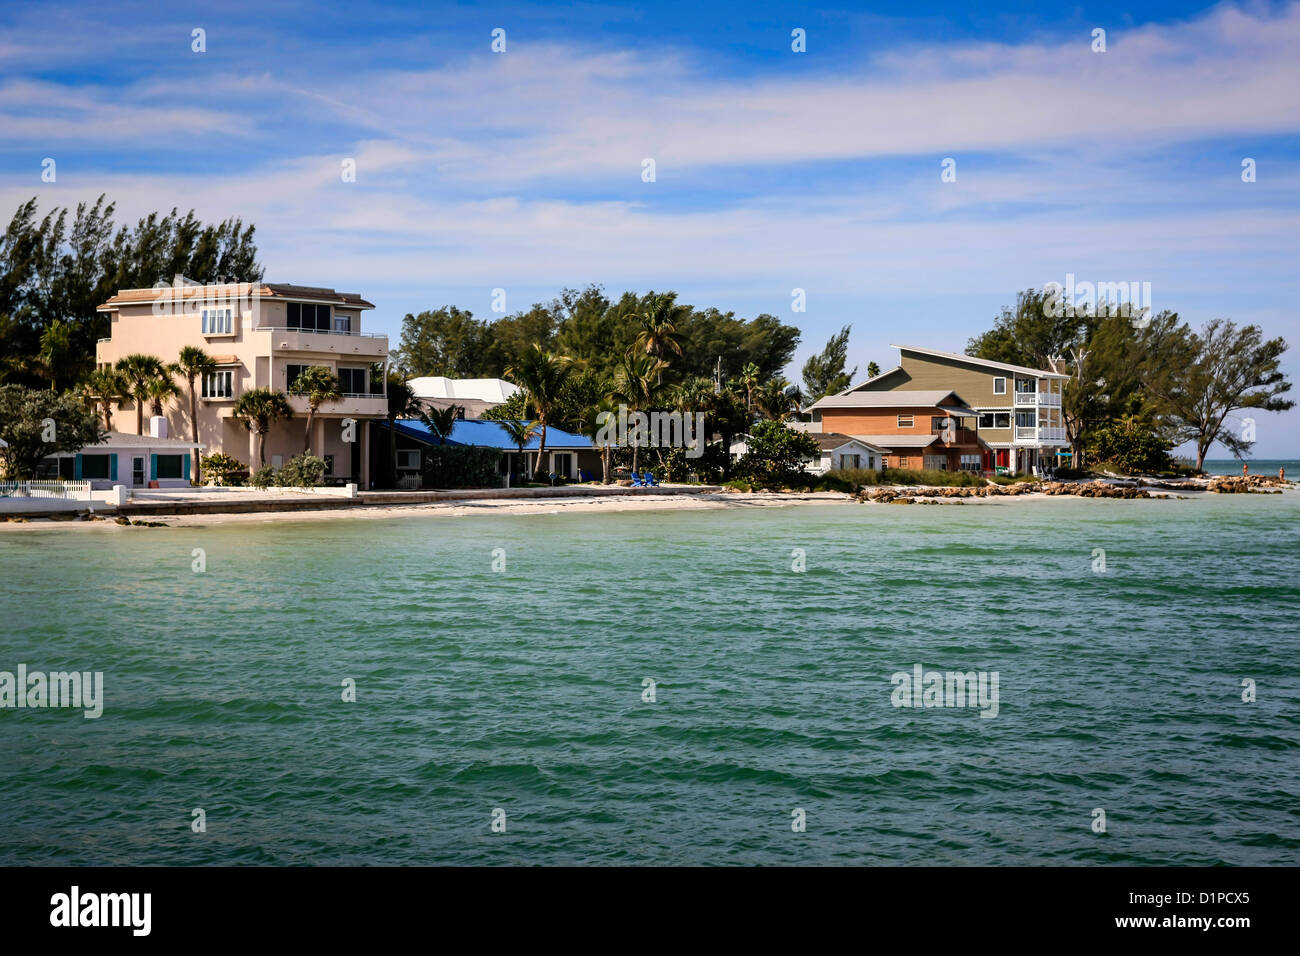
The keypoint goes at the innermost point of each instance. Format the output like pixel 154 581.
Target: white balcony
pixel 1035 399
pixel 329 343
pixel 357 406
pixel 1028 435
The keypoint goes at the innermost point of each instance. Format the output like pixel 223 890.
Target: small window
pixel 343 323
pixel 904 462
pixel 329 464
pixel 905 421
pixel 219 384
pixel 169 466
pixel 217 321
pixel 850 461
pixel 999 386
pixel 94 466
pixel 294 315
pixel 408 460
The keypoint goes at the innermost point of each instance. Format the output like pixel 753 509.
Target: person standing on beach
pixel 1244 468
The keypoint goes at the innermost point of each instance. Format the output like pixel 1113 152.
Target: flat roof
pixel 259 290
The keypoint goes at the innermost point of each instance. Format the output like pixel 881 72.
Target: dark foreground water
pixel 523 689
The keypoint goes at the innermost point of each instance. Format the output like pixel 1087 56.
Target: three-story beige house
pixel 1012 413
pixel 261 335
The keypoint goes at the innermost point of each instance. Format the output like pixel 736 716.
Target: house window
pixel 343 323
pixel 217 321
pixel 408 460
pixel 219 384
pixel 936 462
pixel 352 381
pixel 94 466
pixel 329 464
pixel 169 466
pixel 850 461
pixel 999 386
pixel 1026 420
pixel 312 318
pixel 995 419
pixel 291 373
pixel 971 462
pixel 905 421
pixel 904 462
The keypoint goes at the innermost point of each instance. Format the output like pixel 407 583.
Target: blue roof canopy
pixel 489 434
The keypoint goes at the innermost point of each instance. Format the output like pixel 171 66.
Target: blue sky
pixel 774 170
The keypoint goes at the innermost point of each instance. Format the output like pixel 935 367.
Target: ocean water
pixel 1260 466
pixel 522 689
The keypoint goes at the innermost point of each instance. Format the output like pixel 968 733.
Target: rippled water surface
pixel 522 689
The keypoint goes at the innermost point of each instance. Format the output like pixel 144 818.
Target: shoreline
pixel 574 502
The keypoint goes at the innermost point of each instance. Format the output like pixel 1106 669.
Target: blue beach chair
pixel 649 480
pixel 636 481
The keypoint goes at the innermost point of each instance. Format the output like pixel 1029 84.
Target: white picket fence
pixel 66 490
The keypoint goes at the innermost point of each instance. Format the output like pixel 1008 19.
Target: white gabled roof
pixel 495 390
pixel 903 398
pixel 1001 366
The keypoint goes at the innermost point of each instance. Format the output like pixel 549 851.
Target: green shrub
pixel 708 467
pixel 302 471
pixel 1129 447
pixel 263 478
pixel 461 466
pixel 776 454
pixel 908 476
pixel 221 470
pixel 1012 479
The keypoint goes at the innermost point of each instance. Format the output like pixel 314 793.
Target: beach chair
pixel 636 481
pixel 649 480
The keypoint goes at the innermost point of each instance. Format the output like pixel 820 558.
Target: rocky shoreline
pixel 1097 488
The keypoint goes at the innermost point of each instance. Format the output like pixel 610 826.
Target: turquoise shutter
pixel 185 467
pixel 76 468
pixel 112 468
pixel 153 467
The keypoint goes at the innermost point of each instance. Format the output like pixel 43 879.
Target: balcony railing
pixel 1028 435
pixel 289 328
pixel 1031 399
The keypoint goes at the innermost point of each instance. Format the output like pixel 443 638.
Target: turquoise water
pixel 522 689
pixel 1260 466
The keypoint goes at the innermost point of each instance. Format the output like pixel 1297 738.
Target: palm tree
pixel 56 351
pixel 159 390
pixel 658 333
pixel 194 363
pixel 589 425
pixel 402 403
pixel 872 370
pixel 441 421
pixel 103 387
pixel 259 409
pixel 636 385
pixel 749 381
pixel 542 375
pixel 521 433
pixel 139 370
pixel 319 386
pixel 777 399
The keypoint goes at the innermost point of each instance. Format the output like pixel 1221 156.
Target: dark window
pixel 295 315
pixel 352 381
pixel 329 464
pixel 94 466
pixel 995 419
pixel 169 466
pixel 291 373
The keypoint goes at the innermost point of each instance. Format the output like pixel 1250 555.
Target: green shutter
pixel 112 468
pixel 185 467
pixel 76 468
pixel 153 467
